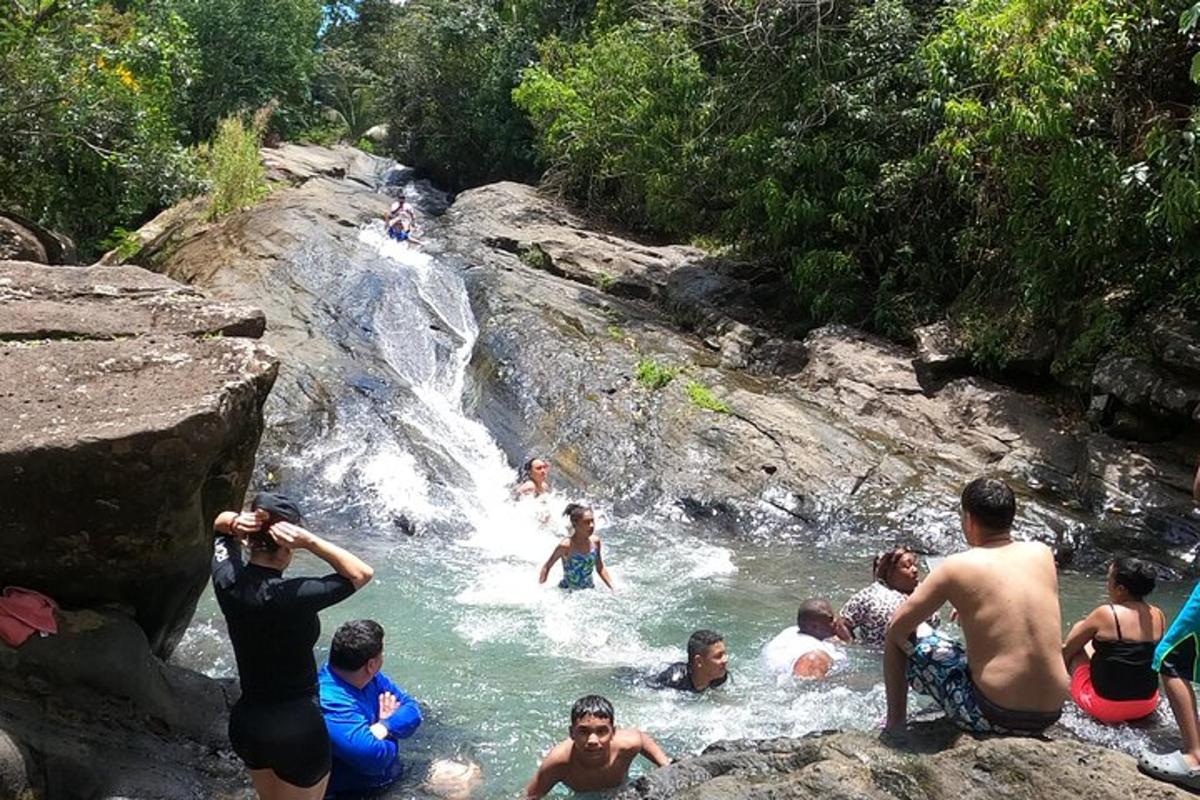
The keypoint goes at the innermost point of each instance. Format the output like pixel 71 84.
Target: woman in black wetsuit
pixel 276 726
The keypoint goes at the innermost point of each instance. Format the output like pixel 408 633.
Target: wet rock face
pixel 932 762
pixel 1154 395
pixel 130 410
pixel 752 418
pixel 23 239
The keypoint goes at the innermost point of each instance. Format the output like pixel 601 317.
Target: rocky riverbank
pixel 932 762
pixel 130 407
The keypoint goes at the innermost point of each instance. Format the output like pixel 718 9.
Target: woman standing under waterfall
pixel 533 479
pixel 276 727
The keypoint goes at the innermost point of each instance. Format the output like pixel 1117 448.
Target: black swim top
pixel 677 676
pixel 1121 670
pixel 272 623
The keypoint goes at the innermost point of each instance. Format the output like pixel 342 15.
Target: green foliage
pixel 252 53
pixel 449 68
pixel 89 98
pixel 653 375
pixel 350 90
pixel 235 166
pixel 616 118
pixel 1010 163
pixel 702 397
pixel 123 243
pixel 1063 133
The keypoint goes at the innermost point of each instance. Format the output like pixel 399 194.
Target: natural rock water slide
pixel 832 433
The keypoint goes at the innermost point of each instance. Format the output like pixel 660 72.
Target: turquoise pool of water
pixel 497 660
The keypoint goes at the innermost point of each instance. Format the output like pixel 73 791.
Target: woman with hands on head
pixel 276 726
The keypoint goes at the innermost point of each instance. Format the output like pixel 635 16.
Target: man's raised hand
pixel 387 705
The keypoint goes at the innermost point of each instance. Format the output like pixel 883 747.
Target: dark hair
pixel 280 508
pixel 1135 575
pixel 525 471
pixel 700 641
pixel 575 511
pixel 592 705
pixel 813 610
pixel 888 559
pixel 990 501
pixel 355 643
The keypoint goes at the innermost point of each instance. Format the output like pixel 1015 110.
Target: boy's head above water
pixel 592 725
pixel 706 654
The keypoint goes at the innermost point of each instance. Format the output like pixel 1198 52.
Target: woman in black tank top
pixel 1110 660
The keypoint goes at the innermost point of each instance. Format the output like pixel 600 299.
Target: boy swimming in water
pixel 580 553
pixel 597 755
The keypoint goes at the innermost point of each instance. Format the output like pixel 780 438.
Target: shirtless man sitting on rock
pixel 1011 677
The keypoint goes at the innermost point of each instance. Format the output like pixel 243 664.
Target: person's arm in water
pixel 927 598
pixel 651 751
pixel 812 665
pixel 344 563
pixel 557 555
pixel 1083 632
pixel 549 772
pixel 602 570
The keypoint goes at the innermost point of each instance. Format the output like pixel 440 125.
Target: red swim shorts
pixel 1103 709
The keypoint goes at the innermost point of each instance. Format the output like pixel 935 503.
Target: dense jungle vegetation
pixel 1022 166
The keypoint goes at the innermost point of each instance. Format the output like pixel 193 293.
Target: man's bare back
pixel 1007 602
pixel 1010 677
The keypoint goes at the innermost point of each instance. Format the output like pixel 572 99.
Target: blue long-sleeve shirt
pixel 362 762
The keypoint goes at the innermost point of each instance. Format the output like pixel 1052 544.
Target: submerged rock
pixel 931 762
pixel 130 410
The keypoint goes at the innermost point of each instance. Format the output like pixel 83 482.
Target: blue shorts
pixel 398 235
pixel 937 667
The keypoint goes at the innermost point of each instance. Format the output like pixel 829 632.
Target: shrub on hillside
pixel 235 166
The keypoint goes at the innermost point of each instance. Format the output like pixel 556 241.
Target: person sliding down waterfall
pixel 580 553
pixel 400 221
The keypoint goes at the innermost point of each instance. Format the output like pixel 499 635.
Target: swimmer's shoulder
pixel 628 739
pixel 558 758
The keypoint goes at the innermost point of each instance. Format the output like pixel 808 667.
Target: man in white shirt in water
pixel 810 648
pixel 1010 677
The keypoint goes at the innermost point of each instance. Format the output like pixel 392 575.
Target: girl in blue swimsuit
pixel 580 553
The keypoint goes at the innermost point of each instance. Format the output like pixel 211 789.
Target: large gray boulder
pixel 839 423
pixel 130 410
pixel 91 713
pixel 22 239
pixel 932 762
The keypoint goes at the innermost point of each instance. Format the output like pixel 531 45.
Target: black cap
pixel 279 506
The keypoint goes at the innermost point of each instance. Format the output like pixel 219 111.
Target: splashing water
pixel 496 658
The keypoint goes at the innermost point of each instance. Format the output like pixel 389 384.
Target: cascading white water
pixel 496 658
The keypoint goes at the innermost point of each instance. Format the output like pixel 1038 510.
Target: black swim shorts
pixel 288 737
pixel 1180 660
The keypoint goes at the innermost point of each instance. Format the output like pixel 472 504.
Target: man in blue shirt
pixel 364 711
